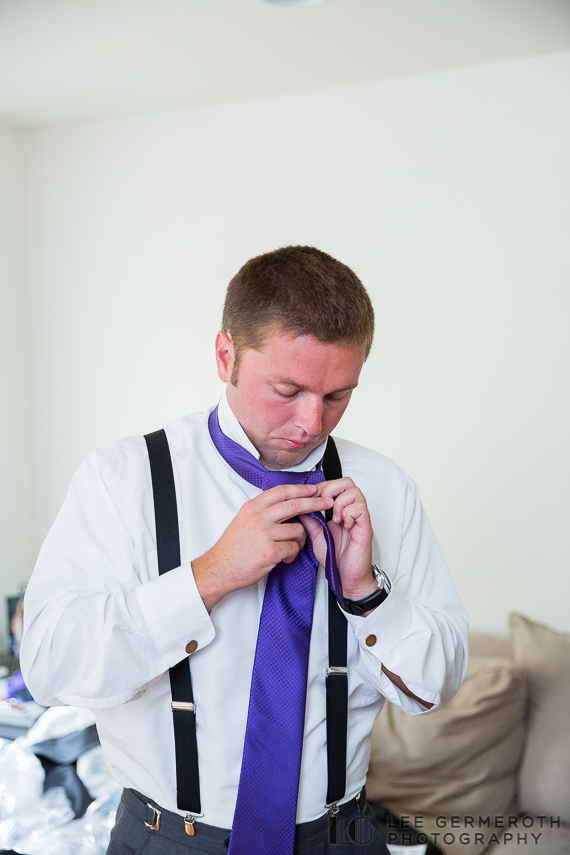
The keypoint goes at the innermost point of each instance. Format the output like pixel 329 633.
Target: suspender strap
pixel 168 549
pixel 337 676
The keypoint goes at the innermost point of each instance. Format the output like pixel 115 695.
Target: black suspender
pixel 168 549
pixel 337 672
pixel 183 710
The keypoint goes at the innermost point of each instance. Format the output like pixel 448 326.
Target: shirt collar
pixel 232 428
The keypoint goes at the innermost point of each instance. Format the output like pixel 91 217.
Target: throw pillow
pixel 458 762
pixel 544 656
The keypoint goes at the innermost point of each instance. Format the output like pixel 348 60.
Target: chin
pixel 284 459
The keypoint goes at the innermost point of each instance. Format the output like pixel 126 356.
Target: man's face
pixel 291 394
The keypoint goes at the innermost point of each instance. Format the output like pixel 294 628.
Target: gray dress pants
pixel 356 833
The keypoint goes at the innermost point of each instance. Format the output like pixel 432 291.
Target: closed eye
pixel 337 397
pixel 283 395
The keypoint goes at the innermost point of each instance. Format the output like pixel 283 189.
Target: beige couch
pixel 490 771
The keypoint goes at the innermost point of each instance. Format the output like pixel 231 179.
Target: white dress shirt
pixel 101 628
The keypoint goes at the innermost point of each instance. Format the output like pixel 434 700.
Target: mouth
pixel 297 445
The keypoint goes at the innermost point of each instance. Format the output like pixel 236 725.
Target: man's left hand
pixel 352 534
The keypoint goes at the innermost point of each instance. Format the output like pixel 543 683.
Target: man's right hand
pixel 257 539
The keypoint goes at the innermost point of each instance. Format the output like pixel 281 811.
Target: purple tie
pixel 266 807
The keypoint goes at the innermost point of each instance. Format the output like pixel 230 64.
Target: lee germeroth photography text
pixel 471 830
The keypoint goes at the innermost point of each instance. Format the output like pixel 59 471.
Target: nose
pixel 309 416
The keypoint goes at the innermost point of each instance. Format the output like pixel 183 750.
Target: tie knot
pixel 249 468
pixel 282 476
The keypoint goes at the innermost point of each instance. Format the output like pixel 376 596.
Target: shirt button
pixel 370 640
pixel 193 645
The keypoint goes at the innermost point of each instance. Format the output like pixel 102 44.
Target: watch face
pixel 379 577
pixel 382 579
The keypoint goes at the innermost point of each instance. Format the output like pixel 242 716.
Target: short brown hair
pixel 302 291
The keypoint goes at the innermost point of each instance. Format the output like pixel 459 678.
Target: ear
pixel 224 356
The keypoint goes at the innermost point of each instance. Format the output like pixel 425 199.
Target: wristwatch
pixel 358 607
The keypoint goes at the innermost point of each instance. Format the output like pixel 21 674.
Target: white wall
pixel 447 193
pixel 17 523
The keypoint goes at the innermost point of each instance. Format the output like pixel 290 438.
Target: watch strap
pixel 358 607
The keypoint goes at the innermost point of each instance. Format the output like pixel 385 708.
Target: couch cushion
pixel 544 656
pixel 483 644
pixel 460 760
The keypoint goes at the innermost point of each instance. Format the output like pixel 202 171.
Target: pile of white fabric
pixel 36 823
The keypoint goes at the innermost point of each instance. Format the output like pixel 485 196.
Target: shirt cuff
pixel 380 636
pixel 175 614
pixel 385 626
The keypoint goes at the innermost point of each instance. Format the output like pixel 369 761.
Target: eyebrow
pixel 286 382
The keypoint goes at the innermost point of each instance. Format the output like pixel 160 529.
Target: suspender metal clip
pixel 337 670
pixel 189 821
pixel 333 809
pixel 183 705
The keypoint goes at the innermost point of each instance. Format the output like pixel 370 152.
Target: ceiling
pixel 65 61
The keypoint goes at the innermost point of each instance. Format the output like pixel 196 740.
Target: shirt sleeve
pixel 419 632
pixel 99 626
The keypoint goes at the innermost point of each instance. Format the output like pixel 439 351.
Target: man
pixel 102 627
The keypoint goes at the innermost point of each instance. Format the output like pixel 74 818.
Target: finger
pixel 356 513
pixel 336 487
pixel 312 525
pixel 349 497
pixel 289 531
pixel 317 537
pixel 282 493
pixel 293 507
pixel 288 550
